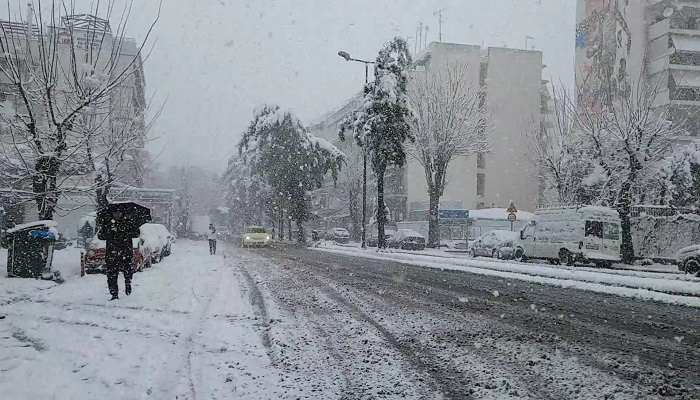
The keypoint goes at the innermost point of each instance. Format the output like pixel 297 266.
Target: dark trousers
pixel 113 274
pixel 212 246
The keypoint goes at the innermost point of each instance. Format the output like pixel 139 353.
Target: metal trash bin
pixel 30 250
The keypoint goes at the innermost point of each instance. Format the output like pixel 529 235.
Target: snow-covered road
pixel 293 323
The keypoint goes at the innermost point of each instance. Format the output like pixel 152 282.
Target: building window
pixel 481 160
pixel 480 184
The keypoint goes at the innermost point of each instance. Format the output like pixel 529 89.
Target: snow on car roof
pixel 409 232
pixel 35 224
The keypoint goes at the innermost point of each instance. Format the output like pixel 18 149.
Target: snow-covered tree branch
pixel 63 72
pixel 450 120
pixel 282 153
pixel 627 141
pixel 561 151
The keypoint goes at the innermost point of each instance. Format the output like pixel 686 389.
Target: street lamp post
pixel 346 56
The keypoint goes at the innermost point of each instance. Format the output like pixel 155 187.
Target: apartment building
pixel 652 41
pixel 511 83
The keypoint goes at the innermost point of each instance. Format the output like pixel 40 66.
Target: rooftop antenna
pixel 438 13
pixel 528 37
pixel 425 38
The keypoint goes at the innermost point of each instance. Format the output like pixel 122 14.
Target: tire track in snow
pixel 196 319
pixel 258 302
pixel 590 340
pixel 427 377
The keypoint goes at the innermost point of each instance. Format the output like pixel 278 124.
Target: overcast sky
pixel 215 60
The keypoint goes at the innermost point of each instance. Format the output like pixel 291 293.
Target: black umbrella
pixel 122 220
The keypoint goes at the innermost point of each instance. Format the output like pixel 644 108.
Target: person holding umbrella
pixel 119 223
pixel 120 257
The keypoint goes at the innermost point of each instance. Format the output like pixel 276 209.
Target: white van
pixel 567 235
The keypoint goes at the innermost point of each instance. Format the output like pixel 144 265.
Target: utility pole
pixel 347 57
pixel 420 36
pixel 438 13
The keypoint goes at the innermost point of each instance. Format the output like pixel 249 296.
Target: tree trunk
pixel 354 207
pixel 434 219
pixel 289 229
pixel 301 237
pixel 280 233
pixel 44 186
pixel 102 192
pixel 624 209
pixel 627 246
pixel 381 209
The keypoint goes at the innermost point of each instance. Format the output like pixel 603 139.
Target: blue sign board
pixel 454 214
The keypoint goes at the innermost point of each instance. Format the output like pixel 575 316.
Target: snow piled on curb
pixel 663 290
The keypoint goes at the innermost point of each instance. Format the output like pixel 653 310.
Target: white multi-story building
pixel 511 82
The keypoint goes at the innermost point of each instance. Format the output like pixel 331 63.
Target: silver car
pixel 496 244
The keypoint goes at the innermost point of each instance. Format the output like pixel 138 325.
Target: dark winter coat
pixel 120 254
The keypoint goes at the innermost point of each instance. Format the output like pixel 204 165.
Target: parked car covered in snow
pixel 158 239
pixel 688 259
pixel 256 236
pixel 407 239
pixel 566 235
pixel 497 244
pixel 373 239
pixel 338 235
pixel 92 259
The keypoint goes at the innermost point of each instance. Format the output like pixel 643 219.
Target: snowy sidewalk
pixel 669 288
pixel 188 330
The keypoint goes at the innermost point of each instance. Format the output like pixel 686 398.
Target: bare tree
pixel 61 68
pixel 114 145
pixel 560 150
pixel 627 142
pixel 450 120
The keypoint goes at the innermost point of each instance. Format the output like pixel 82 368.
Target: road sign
pixel 512 217
pixel 511 208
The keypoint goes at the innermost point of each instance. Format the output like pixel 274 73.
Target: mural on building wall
pixel 603 44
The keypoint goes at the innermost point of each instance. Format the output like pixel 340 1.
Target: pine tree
pixel 382 123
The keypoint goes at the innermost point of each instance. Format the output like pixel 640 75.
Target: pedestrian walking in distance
pixel 212 239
